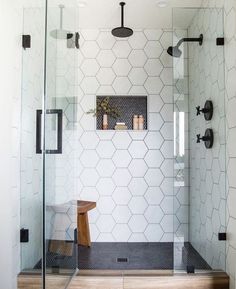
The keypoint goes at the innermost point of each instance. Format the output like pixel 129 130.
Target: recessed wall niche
pixel 128 106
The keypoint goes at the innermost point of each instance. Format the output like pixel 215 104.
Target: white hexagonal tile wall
pixel 167 224
pixel 90 67
pixel 167 149
pixel 105 149
pixel 121 177
pixel 138 40
pixel 137 58
pixel 105 186
pixel 105 223
pixel 121 233
pixel 153 85
pixel 167 205
pixel 154 158
pixel 106 58
pixel 121 49
pixel 153 34
pixel 121 140
pixel 153 49
pixel 153 140
pixel 137 149
pixel 167 168
pixel 167 112
pixel 105 205
pixel 121 196
pixel 121 67
pixel 87 102
pixel 155 103
pixel 121 85
pixel 167 76
pixel 105 168
pixel 89 140
pixel 154 233
pixel 138 187
pixel 137 223
pixel 121 158
pixel 138 168
pixel 121 214
pixel 137 205
pixel 89 85
pixel 167 131
pixel 154 177
pixel 154 214
pixel 105 40
pixel 90 49
pixel 153 67
pixel 155 121
pixel 154 196
pixel 89 177
pixel 89 158
pixel 106 76
pixel 137 76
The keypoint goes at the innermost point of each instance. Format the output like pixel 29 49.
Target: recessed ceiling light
pixel 82 4
pixel 162 3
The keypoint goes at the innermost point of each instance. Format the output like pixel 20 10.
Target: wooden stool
pixel 83 233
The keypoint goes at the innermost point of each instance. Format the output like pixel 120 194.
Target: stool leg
pixel 83 230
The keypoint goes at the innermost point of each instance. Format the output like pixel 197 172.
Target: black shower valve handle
pixel 204 138
pixel 198 138
pixel 203 110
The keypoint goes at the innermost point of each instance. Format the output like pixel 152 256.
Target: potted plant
pixel 105 109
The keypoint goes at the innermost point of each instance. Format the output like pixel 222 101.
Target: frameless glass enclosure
pixel 59 139
pixel 143 216
pixel 199 135
pixel 48 137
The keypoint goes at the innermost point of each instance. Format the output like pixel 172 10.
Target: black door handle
pixel 59 113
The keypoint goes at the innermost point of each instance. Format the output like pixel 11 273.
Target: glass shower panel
pixel 60 139
pixel 200 183
pixel 31 213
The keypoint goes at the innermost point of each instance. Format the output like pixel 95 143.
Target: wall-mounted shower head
pixel 176 52
pixel 122 31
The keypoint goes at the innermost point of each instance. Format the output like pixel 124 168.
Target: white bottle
pixel 141 122
pixel 135 122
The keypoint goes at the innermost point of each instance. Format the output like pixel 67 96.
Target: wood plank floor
pixel 178 281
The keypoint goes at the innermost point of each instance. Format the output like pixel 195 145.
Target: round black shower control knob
pixel 207 110
pixel 208 138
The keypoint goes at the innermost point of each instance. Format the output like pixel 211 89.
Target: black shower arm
pixel 122 4
pixel 199 39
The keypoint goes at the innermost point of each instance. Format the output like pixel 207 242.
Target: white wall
pixel 10 59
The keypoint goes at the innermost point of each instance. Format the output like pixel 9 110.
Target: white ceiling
pixel 139 14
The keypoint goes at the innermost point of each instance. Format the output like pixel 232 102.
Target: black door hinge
pixel 26 41
pixel 222 236
pixel 24 235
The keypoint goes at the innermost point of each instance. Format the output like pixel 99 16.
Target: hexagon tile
pixel 123 171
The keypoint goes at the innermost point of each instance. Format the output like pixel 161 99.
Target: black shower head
pixel 122 31
pixel 176 52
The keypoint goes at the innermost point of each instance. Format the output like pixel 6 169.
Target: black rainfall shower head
pixel 176 52
pixel 122 31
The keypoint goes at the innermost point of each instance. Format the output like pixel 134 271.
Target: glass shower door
pixel 60 250
pixel 200 166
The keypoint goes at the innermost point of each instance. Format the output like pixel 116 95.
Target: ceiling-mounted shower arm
pixel 61 15
pixel 122 4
